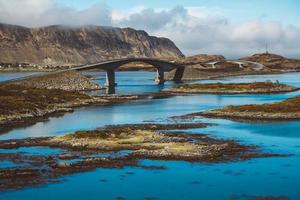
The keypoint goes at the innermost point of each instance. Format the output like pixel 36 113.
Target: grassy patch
pixel 124 138
pixel 255 87
pixel 288 106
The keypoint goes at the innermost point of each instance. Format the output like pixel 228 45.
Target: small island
pixel 233 88
pixel 284 110
pixel 116 147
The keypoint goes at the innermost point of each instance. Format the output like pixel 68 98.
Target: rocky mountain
pixel 274 61
pixel 61 45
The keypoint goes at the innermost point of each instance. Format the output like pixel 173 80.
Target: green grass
pixel 288 106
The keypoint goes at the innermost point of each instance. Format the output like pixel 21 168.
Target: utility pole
pixel 267 48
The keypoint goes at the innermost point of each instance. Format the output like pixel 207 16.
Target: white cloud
pixel 151 19
pixel 194 29
pixel 203 12
pixel 34 13
pixel 120 15
pixel 200 30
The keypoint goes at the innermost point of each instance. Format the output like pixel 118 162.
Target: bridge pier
pixel 178 75
pixel 110 78
pixel 160 76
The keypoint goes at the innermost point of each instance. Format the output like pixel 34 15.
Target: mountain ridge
pixel 60 45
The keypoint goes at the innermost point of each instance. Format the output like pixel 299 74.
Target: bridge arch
pixel 111 66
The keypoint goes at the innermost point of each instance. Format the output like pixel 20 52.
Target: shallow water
pixel 130 82
pixel 5 76
pixel 181 180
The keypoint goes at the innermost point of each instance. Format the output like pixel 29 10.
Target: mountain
pixel 274 61
pixel 61 45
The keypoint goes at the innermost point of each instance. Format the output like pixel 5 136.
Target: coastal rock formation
pixel 61 45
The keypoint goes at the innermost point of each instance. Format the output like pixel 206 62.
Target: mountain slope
pixel 61 45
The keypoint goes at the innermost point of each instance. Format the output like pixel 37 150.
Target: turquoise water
pixel 131 82
pixel 277 176
pixel 5 76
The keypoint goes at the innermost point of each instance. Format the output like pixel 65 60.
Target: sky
pixel 234 28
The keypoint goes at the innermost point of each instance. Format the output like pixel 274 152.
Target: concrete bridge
pixel 242 63
pixel 112 65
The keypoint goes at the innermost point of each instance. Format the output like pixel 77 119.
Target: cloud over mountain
pixel 193 29
pixel 216 34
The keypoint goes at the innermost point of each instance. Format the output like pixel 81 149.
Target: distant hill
pixel 202 58
pixel 196 70
pixel 61 45
pixel 274 61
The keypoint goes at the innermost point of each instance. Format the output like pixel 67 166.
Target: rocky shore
pixel 284 110
pixel 233 88
pixel 69 81
pixel 88 150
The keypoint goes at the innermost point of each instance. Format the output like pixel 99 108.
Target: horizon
pixel 196 27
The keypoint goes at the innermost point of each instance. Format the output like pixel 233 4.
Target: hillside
pixel 274 61
pixel 61 45
pixel 201 58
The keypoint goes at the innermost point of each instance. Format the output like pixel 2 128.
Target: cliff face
pixel 60 45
